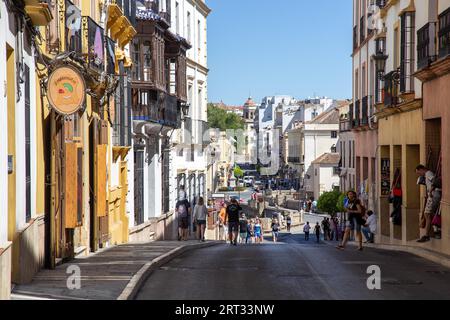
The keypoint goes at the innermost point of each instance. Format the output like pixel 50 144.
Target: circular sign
pixel 66 90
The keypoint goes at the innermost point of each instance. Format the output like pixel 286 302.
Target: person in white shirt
pixel 200 217
pixel 306 230
pixel 370 227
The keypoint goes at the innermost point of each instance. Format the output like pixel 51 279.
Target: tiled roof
pixel 328 158
pixel 328 117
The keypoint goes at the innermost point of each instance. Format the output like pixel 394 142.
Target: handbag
pixel 437 221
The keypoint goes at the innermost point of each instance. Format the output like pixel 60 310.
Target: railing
pixel 73 35
pixel 426 45
pixel 345 125
pixel 96 57
pixel 391 88
pixel 365 111
pixel 444 34
pixel 356 118
pixel 362 29
pixel 166 114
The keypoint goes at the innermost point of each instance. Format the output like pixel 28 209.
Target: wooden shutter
pixel 101 181
pixel 70 186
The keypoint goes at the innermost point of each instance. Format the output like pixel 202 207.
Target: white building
pixel 325 173
pixel 189 165
pixel 310 140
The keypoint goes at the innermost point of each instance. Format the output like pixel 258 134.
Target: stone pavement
pixel 107 275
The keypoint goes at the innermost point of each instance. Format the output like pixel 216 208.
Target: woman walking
pixel 355 211
pixel 200 216
pixel 250 232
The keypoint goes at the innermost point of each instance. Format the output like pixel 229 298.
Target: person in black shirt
pixel 355 211
pixel 232 216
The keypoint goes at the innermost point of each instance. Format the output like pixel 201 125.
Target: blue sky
pixel 266 47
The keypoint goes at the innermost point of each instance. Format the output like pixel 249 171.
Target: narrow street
pixel 294 269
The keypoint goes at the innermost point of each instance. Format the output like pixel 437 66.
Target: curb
pixel 141 276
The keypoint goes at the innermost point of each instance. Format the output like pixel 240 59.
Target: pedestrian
pixel 200 217
pixel 275 229
pixel 288 223
pixel 434 195
pixel 243 225
pixel 325 228
pixel 306 230
pixel 182 209
pixel 370 227
pixel 232 216
pixel 355 211
pixel 317 232
pixel 223 223
pixel 258 231
pixel 250 232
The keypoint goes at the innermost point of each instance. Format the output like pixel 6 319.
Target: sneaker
pixel 423 239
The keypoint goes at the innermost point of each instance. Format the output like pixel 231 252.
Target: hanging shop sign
pixel 66 90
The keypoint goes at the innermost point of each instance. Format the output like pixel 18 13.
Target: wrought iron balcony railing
pixel 426 45
pixel 444 34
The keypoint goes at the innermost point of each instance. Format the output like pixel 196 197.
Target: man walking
pixel 306 230
pixel 243 228
pixel 232 216
pixel 288 223
pixel 317 232
pixel 183 210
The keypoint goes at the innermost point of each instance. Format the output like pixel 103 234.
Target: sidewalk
pixel 114 273
pixel 438 258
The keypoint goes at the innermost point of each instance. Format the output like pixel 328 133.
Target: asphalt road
pixel 294 270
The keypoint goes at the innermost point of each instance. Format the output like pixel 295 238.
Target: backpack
pixel 182 211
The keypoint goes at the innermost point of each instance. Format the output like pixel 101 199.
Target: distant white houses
pixel 325 171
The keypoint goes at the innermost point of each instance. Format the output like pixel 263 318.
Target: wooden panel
pixel 70 185
pixel 101 180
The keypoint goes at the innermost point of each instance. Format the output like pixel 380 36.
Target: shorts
pixel 243 235
pixel 257 235
pixel 201 222
pixel 275 233
pixel 354 224
pixel 433 202
pixel 233 227
pixel 183 223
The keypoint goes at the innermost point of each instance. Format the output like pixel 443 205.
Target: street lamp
pixel 185 110
pixel 380 61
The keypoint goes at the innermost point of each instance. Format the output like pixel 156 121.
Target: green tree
pixel 238 172
pixel 220 119
pixel 340 203
pixel 328 202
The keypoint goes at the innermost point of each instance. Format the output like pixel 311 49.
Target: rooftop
pixel 328 158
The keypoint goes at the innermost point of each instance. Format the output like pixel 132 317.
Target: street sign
pixel 66 90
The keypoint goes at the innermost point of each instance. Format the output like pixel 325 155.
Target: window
pixel 189 27
pixel 356 94
pixel 363 82
pixel 177 17
pixel 333 149
pixel 407 52
pixel 334 134
pixel 444 33
pixel 199 35
pixel 27 144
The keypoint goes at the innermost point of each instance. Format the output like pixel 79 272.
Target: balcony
pixel 356 115
pixel 391 88
pixel 362 29
pixel 95 42
pixel 364 111
pixel 39 11
pixel 355 38
pixel 426 45
pixel 345 125
pixel 73 34
pixel 294 160
pixel 150 108
pixel 444 34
